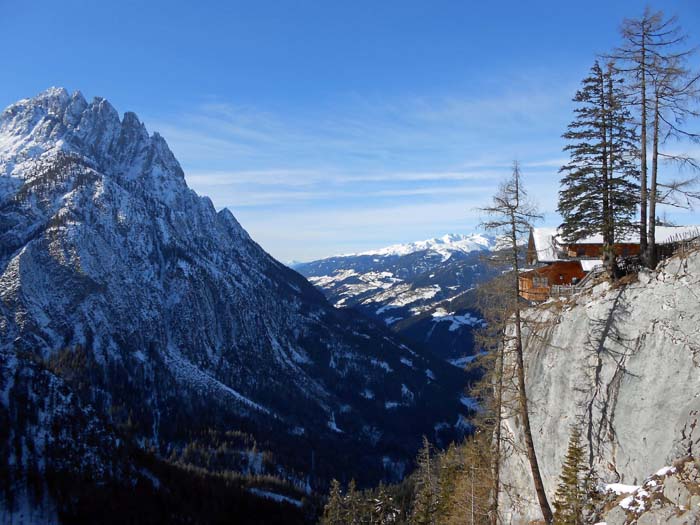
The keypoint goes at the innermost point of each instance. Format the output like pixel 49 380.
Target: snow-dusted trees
pixel 598 192
pixel 374 506
pixel 384 510
pixel 449 487
pixel 465 482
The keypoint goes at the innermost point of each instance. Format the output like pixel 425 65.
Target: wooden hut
pixel 557 265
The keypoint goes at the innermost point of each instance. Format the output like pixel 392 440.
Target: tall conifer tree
pixel 425 506
pixel 598 193
pixel 333 512
pixel 570 497
pixel 353 504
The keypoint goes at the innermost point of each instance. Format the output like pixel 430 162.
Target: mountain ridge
pixel 181 320
pixel 446 244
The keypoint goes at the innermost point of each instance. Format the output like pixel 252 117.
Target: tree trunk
pixel 606 165
pixel 496 458
pixel 529 444
pixel 609 256
pixel 651 255
pixel 611 156
pixel 643 174
pixel 522 393
pixel 604 159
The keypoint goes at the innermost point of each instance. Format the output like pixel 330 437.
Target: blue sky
pixel 328 126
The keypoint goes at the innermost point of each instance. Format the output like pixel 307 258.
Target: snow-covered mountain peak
pixel 445 245
pixel 54 100
pixel 56 122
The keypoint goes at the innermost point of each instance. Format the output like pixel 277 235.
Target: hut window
pixel 540 282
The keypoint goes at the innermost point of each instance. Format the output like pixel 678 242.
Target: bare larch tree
pixel 511 214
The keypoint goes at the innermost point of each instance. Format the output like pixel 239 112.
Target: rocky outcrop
pixel 670 496
pixel 623 363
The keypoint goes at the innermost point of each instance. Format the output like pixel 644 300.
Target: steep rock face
pixel 623 363
pixel 185 322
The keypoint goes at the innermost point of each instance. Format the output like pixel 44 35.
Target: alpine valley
pixel 154 357
pixel 424 291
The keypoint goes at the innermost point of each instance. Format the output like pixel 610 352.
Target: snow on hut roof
pixel 588 265
pixel 545 243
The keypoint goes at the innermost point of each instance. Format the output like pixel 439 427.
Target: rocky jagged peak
pixel 104 113
pixel 231 223
pixel 165 155
pixel 75 109
pixel 97 131
pixel 54 93
pixel 56 120
pixel 131 121
pixel 133 131
pixel 54 99
pixel 54 104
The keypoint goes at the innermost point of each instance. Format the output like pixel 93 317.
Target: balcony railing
pixel 562 290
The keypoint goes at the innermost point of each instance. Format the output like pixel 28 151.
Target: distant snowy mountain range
pixel 424 290
pixel 164 327
pixel 445 246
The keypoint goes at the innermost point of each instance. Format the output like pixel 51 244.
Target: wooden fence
pixel 679 245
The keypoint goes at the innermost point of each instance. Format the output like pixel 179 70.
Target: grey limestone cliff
pixel 623 363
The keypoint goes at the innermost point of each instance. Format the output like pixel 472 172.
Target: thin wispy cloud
pixel 360 128
pixel 361 172
pixel 252 198
pixel 299 177
pixel 271 177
